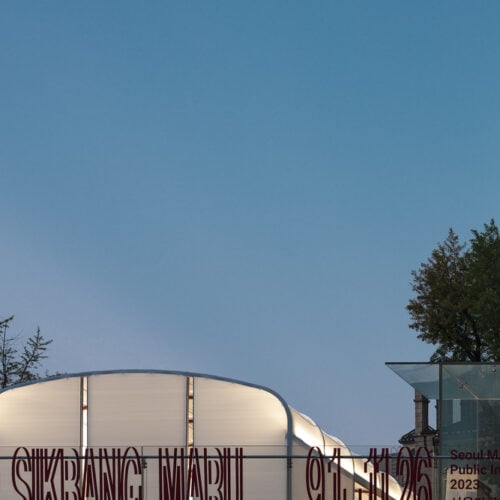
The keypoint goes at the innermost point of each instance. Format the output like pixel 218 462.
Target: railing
pixel 244 473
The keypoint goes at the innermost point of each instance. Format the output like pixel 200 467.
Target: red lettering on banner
pixel 411 465
pixel 315 474
pixel 195 485
pixel 208 474
pixel 18 481
pixel 71 478
pixel 378 471
pixel 171 474
pixel 199 475
pixel 334 467
pixel 43 473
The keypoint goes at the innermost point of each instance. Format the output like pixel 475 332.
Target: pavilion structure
pixel 141 435
pixel 466 443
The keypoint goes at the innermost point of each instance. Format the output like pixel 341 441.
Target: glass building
pixel 467 451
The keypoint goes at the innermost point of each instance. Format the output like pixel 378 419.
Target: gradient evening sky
pixel 243 188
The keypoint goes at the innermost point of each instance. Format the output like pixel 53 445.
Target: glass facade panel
pixel 470 427
pixel 468 400
pixel 423 377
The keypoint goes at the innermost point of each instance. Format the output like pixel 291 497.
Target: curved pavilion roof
pixel 151 408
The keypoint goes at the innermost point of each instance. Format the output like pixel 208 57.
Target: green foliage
pixel 17 366
pixel 457 298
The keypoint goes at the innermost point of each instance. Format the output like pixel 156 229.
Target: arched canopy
pixel 174 414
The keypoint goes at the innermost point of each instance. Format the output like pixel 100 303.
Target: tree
pixel 21 366
pixel 457 297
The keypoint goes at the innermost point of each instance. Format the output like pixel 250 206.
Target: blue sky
pixel 243 188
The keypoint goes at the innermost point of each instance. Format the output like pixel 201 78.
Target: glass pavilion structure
pixel 171 435
pixel 467 457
